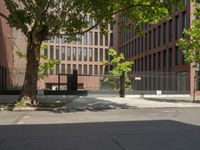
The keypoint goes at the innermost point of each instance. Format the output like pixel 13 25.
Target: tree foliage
pixel 119 65
pixel 190 45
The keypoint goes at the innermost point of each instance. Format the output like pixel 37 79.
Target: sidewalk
pixel 74 103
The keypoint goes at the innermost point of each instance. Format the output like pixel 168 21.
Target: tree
pixel 119 65
pixel 41 19
pixel 190 45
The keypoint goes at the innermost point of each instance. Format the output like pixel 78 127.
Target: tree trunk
pixel 29 89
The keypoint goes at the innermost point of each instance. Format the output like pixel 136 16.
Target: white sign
pixel 137 78
pixel 158 92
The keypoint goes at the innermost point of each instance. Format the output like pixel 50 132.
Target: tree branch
pixel 4 16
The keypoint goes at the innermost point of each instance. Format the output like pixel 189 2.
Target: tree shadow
pixel 132 135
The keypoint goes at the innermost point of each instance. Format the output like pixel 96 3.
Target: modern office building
pixel 155 53
pixel 85 55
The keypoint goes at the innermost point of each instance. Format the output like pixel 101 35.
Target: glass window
pixel 63 68
pixel 80 39
pixel 96 38
pixel 96 54
pixel 159 35
pixel 164 59
pixel 57 53
pixel 63 40
pixel 74 53
pixel 68 53
pixel 101 54
pixel 96 69
pixel 51 39
pixel 90 38
pixel 170 31
pixel 170 57
pixel 74 67
pixel 164 33
pixel 57 39
pixel 101 39
pixel 85 54
pixel 85 39
pixel 69 68
pixel 101 69
pixel 57 69
pixel 106 40
pixel 85 69
pixel 154 38
pixel 90 54
pixel 51 52
pixel 90 69
pixel 176 55
pixel 111 39
pixel 177 27
pixel 80 54
pixel 46 52
pixel 63 53
pixel 79 69
pixel 91 21
pixel 159 60
pixel 149 40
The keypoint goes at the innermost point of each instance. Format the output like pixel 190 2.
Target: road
pixel 118 129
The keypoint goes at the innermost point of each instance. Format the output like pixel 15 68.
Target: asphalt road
pixel 120 129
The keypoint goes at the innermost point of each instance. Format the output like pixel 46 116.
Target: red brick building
pixel 156 51
pixel 6 47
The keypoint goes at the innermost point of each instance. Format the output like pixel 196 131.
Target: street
pixel 118 129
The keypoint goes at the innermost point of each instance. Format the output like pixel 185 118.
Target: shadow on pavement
pixel 134 135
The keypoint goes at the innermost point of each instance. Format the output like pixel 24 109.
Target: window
pixel 154 61
pixel 177 27
pixel 57 39
pixel 106 54
pixel 154 38
pixel 85 54
pixel 101 39
pixel 101 54
pixel 184 21
pixel 170 57
pixel 145 42
pixel 111 39
pixel 57 53
pixel 63 53
pixel 80 39
pixel 96 69
pixel 79 69
pixel 176 55
pixel 106 40
pixel 91 21
pixel 90 69
pixel 46 52
pixel 63 68
pixel 63 39
pixel 90 38
pixel 69 68
pixel 96 38
pixel 159 60
pixel 170 31
pixel 52 39
pixel 159 35
pixel 101 69
pixel 74 67
pixel 90 54
pixel 85 69
pixel 164 59
pixel 149 40
pixel 85 39
pixel 74 53
pixel 164 33
pixel 68 53
pixel 149 62
pixel 57 69
pixel 80 54
pixel 96 54
pixel 145 63
pixel 51 52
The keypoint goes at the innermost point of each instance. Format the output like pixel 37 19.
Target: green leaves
pixel 190 45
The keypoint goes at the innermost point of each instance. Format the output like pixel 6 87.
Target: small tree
pixel 190 45
pixel 119 65
pixel 41 19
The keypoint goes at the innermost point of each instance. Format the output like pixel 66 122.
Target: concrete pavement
pixel 117 129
